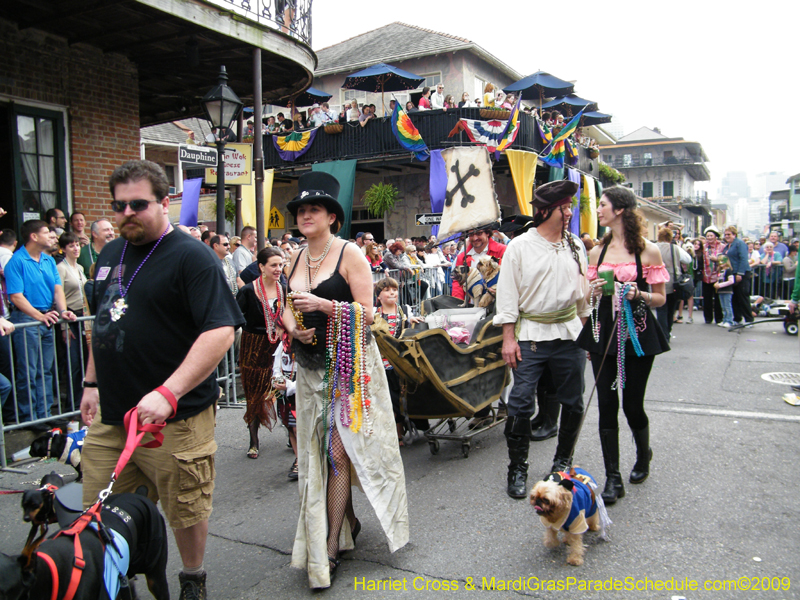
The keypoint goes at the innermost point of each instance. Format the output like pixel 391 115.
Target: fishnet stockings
pixel 340 499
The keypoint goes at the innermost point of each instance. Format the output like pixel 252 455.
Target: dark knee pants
pixel 566 362
pixel 741 300
pixel 637 371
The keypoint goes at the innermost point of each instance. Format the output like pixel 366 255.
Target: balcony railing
pixel 292 17
pixel 698 199
pixel 620 163
pixel 376 139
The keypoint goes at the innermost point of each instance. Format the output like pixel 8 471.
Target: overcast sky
pixel 722 74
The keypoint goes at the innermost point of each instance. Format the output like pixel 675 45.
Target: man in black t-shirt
pixel 164 319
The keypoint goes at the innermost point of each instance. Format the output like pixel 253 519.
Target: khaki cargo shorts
pixel 180 472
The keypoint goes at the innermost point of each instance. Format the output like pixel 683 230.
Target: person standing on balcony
pixel 425 100
pixel 437 98
pixel 488 96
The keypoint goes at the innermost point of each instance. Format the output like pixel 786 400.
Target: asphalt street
pixel 717 510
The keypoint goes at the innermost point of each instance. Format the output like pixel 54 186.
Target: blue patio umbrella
pixel 382 78
pixel 570 104
pixel 309 97
pixel 594 118
pixel 540 85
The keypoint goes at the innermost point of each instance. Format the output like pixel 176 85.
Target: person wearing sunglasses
pixel 164 320
pixel 221 247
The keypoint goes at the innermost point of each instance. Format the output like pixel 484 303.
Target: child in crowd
pixel 283 382
pixel 391 319
pixel 724 289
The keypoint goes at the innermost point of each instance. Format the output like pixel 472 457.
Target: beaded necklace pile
pixel 121 305
pixel 319 260
pixel 627 328
pixel 346 380
pixel 270 317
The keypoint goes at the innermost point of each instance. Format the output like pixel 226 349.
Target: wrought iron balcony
pixel 376 140
pixel 619 162
pixel 292 17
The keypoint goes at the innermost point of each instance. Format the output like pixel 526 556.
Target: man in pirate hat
pixel 541 306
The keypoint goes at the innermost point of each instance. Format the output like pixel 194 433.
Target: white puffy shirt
pixel 537 277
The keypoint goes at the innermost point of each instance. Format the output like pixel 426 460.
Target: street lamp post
pixel 222 106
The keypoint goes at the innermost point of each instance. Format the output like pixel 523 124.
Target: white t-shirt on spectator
pixel 242 257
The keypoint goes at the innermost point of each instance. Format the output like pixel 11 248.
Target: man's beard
pixel 133 235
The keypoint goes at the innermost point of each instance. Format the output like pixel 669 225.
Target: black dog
pixel 132 516
pixel 66 448
pixel 38 505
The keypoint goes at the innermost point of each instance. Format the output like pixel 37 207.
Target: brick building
pixel 78 81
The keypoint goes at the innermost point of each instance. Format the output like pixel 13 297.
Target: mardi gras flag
pixel 544 133
pixel 571 152
pixel 293 146
pixel 558 150
pixel 510 134
pixel 407 133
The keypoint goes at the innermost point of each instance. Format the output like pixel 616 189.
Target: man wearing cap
pixel 479 244
pixel 317 116
pixel 541 305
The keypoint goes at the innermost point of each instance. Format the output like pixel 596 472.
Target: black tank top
pixel 335 287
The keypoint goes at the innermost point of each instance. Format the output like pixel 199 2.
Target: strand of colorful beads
pixel 346 379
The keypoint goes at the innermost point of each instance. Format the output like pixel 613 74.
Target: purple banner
pixel 190 201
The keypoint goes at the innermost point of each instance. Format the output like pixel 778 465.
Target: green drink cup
pixel 608 282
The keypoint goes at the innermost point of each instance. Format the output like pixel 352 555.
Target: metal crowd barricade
pixel 226 378
pixel 62 399
pixel 770 284
pixel 424 282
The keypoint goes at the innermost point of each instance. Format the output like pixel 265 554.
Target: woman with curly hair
pixel 262 302
pixel 636 262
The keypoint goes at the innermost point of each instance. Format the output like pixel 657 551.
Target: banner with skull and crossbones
pixel 470 200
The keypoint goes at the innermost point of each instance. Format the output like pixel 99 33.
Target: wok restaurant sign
pixel 238 165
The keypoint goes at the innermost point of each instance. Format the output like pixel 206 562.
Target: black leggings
pixel 637 371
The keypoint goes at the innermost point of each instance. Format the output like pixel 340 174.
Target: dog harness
pixel 116 554
pixel 72 449
pixel 584 504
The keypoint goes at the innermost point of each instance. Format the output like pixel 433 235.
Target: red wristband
pixel 173 401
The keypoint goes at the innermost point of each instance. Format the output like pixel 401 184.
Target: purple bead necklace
pixel 120 305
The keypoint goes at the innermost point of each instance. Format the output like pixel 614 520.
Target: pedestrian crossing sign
pixel 276 220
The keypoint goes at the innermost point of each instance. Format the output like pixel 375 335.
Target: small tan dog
pixel 479 281
pixel 567 501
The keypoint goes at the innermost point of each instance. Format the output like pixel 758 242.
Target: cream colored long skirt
pixel 376 468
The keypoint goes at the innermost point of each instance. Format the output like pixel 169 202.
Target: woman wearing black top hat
pixel 636 262
pixel 344 412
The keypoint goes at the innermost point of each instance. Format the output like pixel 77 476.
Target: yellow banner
pixel 588 207
pixel 249 200
pixel 523 172
pixel 238 166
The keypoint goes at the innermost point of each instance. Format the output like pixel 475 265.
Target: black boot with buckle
pixel 518 438
pixel 614 489
pixel 644 454
pixel 567 436
pixel 549 406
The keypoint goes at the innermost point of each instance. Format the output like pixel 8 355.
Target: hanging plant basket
pixel 500 114
pixel 333 128
pixel 593 152
pixel 380 198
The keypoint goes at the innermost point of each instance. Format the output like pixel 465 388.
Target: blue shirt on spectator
pixel 739 256
pixel 34 280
